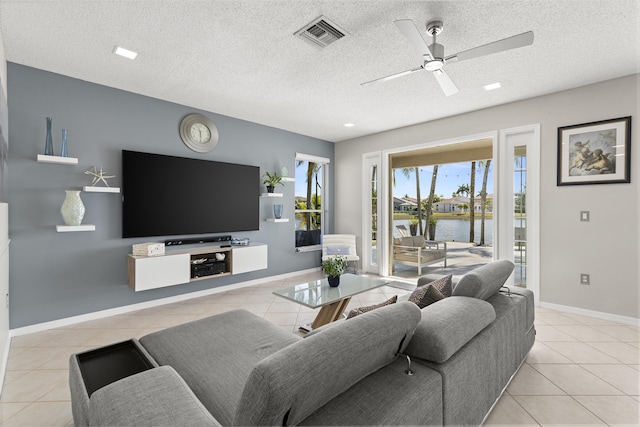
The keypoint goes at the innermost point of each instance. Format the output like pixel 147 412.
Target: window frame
pixel 323 162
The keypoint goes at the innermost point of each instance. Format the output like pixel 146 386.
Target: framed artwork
pixel 595 153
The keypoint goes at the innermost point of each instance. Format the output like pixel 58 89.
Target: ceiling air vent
pixel 321 32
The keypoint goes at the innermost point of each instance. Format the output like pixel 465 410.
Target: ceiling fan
pixel 433 55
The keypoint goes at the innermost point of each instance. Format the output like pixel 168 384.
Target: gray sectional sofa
pixel 445 364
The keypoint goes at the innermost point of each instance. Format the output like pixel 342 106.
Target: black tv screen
pixel 168 196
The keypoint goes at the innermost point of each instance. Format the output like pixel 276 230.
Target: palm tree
pixel 432 193
pixel 462 189
pixel 472 211
pixel 407 173
pixel 483 197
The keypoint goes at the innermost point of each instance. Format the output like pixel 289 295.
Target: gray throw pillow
pixel 425 296
pixel 360 310
pixel 484 281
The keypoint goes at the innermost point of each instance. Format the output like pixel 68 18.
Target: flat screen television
pixel 169 196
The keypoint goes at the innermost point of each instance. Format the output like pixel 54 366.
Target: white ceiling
pixel 240 58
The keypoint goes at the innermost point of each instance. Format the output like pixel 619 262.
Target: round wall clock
pixel 198 133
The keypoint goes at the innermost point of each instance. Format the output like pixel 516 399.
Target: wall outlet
pixel 585 279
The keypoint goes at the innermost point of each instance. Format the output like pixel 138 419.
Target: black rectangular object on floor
pixel 106 365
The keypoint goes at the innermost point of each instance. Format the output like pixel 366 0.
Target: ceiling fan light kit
pixel 433 56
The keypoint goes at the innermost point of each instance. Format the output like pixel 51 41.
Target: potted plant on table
pixel 334 267
pixel 270 180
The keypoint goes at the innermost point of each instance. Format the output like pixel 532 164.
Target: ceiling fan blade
pixel 521 40
pixel 393 76
pixel 448 86
pixel 408 28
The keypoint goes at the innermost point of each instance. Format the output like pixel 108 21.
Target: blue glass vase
pixel 277 211
pixel 63 147
pixel 48 143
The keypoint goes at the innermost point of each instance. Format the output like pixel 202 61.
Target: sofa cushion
pixel 360 310
pixel 285 388
pixel 215 355
pixel 484 281
pixel 387 397
pixel 156 397
pixel 447 326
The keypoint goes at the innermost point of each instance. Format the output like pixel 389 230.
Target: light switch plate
pixel 584 216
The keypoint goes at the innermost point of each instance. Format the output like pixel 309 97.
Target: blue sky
pixel 450 177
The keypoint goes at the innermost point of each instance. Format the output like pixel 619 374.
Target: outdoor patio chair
pixel 417 252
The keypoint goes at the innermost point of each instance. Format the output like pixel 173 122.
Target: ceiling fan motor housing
pixel 437 51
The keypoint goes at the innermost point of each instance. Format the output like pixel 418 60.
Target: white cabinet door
pixel 249 258
pixel 160 271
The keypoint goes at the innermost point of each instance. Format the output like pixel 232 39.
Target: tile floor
pixel 581 370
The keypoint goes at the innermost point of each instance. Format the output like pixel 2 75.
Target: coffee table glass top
pixel 317 293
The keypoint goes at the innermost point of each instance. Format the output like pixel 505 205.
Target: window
pixel 310 196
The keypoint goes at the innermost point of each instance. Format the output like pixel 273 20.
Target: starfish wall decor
pixel 98 176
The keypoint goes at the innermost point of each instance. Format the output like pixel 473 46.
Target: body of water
pixel 454 230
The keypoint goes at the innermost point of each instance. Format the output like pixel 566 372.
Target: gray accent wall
pixel 606 247
pixel 58 275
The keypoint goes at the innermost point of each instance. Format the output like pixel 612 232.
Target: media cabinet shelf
pixel 43 158
pixel 175 267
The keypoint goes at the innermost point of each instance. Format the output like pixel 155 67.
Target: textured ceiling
pixel 240 58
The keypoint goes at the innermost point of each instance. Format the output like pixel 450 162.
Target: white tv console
pixel 174 268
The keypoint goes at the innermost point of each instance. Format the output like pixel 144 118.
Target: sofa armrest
pixel 156 397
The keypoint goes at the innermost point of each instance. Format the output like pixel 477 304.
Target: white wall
pixel 606 248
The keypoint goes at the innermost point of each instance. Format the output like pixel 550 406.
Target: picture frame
pixel 595 153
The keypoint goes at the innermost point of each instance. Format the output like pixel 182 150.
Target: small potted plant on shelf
pixel 334 267
pixel 270 180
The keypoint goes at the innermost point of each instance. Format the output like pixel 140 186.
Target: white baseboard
pixel 597 314
pixel 149 304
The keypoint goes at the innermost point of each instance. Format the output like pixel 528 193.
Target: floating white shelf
pixel 277 220
pixel 288 179
pixel 271 195
pixel 90 189
pixel 68 228
pixel 42 158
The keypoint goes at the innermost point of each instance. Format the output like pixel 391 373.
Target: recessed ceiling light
pixel 492 86
pixel 349 125
pixel 125 52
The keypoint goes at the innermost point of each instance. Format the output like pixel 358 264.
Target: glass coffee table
pixel 332 301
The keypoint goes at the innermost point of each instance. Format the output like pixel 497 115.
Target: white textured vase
pixel 72 208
